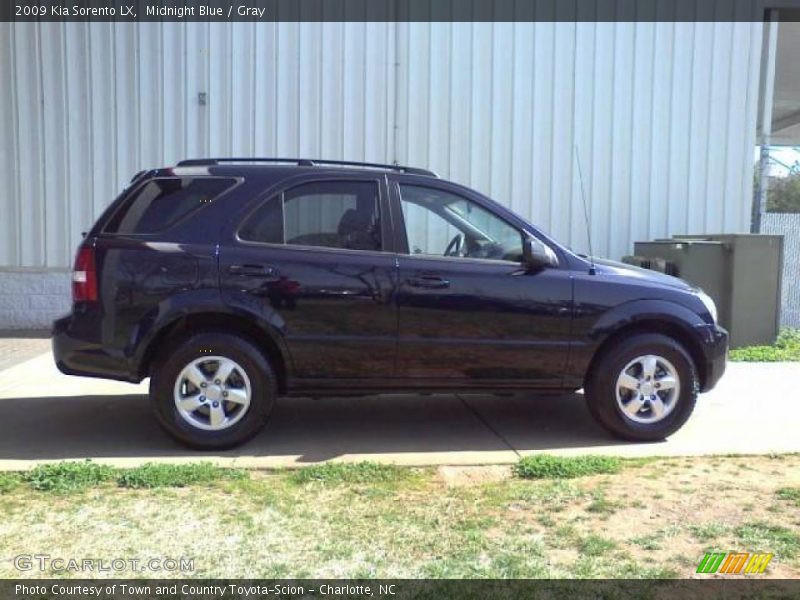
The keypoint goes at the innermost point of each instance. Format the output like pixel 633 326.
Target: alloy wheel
pixel 648 388
pixel 212 393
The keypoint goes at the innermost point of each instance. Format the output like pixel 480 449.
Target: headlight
pixel 709 304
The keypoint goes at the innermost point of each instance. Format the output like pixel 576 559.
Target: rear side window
pixel 266 224
pixel 329 214
pixel 161 202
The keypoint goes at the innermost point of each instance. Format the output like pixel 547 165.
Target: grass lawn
pixel 786 348
pixel 545 517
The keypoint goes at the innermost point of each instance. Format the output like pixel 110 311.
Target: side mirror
pixel 537 255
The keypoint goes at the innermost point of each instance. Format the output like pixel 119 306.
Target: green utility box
pixel 741 272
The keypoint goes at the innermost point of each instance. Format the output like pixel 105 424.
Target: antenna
pixel 585 213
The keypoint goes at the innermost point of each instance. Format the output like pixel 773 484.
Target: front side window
pixel 329 214
pixel 439 223
pixel 161 202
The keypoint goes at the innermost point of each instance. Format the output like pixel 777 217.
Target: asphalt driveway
pixel 46 416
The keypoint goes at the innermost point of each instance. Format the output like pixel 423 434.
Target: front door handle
pixel 429 282
pixel 253 270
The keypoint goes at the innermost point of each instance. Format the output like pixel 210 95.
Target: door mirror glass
pixel 537 255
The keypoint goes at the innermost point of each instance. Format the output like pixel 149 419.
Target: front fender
pixel 635 311
pixel 660 315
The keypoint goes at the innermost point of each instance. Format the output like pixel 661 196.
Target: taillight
pixel 84 277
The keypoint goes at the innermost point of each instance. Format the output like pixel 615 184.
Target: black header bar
pixel 395 10
pixel 394 589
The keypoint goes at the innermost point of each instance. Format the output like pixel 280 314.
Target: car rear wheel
pixel 643 388
pixel 212 391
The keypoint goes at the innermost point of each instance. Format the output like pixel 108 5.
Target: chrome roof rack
pixel 305 162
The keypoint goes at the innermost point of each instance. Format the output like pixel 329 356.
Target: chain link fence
pixel 787 225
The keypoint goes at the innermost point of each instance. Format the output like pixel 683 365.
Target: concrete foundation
pixel 31 298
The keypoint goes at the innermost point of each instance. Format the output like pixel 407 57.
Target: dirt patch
pixel 465 476
pixel 682 508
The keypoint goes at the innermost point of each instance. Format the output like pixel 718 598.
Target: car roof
pixel 265 174
pixel 295 165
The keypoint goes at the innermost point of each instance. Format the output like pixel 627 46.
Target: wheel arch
pixel 188 324
pixel 665 318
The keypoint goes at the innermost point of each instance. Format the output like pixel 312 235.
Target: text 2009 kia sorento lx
pixel 231 282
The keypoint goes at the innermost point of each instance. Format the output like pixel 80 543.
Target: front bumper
pixel 715 352
pixel 77 352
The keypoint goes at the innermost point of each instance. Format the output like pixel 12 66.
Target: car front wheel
pixel 212 391
pixel 643 388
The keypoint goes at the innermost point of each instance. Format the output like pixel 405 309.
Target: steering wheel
pixel 454 247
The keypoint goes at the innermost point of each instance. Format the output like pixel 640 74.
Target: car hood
pixel 612 267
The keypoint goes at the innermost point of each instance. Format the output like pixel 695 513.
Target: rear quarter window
pixel 159 203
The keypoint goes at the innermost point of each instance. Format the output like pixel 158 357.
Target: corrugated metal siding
pixel 663 115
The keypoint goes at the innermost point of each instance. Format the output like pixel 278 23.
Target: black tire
pixel 601 392
pixel 168 366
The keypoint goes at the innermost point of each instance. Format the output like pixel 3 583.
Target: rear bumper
pixel 715 350
pixel 77 352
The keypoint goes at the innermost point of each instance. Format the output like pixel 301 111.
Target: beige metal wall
pixel 663 115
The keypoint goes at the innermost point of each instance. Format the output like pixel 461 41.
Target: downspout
pixel 765 134
pixel 395 89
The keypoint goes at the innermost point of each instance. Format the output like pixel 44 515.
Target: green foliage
pixel 765 537
pixel 786 348
pixel 707 532
pixel 362 472
pixel 546 466
pixel 8 481
pixel 153 475
pixel 601 504
pixel 790 494
pixel 76 476
pixel 67 476
pixel 648 542
pixel 783 194
pixel 595 545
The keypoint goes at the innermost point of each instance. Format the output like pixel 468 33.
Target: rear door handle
pixel 253 270
pixel 429 281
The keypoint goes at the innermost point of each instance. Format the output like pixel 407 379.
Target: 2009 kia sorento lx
pixel 231 282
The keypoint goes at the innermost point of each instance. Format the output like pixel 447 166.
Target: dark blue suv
pixel 231 282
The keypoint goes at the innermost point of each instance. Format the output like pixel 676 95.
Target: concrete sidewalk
pixel 47 416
